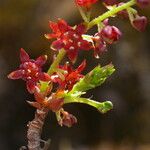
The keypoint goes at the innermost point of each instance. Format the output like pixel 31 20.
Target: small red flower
pixel 69 38
pixel 30 71
pixel 70 76
pixel 85 3
pixel 67 119
pixel 139 23
pixel 110 34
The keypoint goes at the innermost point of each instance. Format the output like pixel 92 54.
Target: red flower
pixel 30 71
pixel 139 23
pixel 110 34
pixel 85 3
pixel 70 77
pixel 69 38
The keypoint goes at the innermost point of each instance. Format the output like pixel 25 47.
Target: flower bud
pixel 110 34
pixel 67 119
pixel 139 23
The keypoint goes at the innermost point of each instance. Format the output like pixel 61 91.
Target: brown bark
pixel 35 130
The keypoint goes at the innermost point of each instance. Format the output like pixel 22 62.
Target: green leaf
pixel 106 106
pixel 93 79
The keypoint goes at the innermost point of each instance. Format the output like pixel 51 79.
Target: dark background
pixel 127 127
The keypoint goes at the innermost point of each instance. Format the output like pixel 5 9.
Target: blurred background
pixel 23 23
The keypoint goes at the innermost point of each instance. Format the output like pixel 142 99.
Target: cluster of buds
pixel 138 22
pixel 107 35
pixel 70 83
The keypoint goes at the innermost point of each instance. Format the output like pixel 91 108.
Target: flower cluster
pixel 69 84
pixel 108 35
pixel 69 38
pixel 69 77
pixel 138 22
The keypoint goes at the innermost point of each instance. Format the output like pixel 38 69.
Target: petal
pixel 24 56
pixel 80 29
pixel 72 55
pixel 85 45
pixel 56 45
pixel 55 104
pixel 38 97
pixel 40 61
pixel 44 76
pixel 16 74
pixel 50 36
pixel 82 66
pixel 68 67
pixel 31 86
pixel 53 26
pixel 63 26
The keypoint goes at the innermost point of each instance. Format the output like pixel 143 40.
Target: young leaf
pixel 93 79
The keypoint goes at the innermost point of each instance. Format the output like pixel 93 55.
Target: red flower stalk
pixel 70 76
pixel 68 38
pixel 30 71
pixel 139 23
pixel 110 34
pixel 85 3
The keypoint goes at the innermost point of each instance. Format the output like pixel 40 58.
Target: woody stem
pixel 35 130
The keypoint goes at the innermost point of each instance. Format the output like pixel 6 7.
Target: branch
pixel 111 13
pixel 35 130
